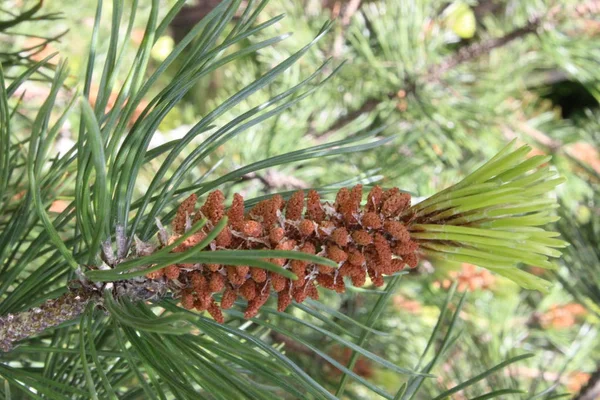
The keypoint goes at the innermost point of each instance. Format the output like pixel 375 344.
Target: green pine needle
pixel 492 218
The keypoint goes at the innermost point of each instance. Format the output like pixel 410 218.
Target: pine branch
pixel 476 50
pixel 435 72
pixel 490 218
pixel 106 354
pixel 368 106
pixel 19 326
pixel 26 56
pixel 465 55
pixel 273 179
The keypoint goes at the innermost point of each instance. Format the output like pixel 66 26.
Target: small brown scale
pixel 369 240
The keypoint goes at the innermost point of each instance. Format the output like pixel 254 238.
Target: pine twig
pixel 489 219
pixel 435 72
pixel 368 106
pixel 476 50
pixel 15 327
pixel 470 53
pixel 273 179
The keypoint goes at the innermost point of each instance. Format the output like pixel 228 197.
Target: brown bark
pixel 15 327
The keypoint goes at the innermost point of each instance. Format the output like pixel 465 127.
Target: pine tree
pixel 154 278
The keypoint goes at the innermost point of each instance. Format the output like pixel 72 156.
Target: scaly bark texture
pixel 370 240
pixel 15 327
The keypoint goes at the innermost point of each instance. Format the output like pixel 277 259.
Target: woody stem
pixel 19 326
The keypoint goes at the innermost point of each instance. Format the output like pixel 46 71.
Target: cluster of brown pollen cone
pixel 364 240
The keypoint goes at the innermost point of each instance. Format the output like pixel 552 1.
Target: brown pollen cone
pixel 370 240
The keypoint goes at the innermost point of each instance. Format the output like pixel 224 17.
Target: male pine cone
pixel 372 240
pixel 493 218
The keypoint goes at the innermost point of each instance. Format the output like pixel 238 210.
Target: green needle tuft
pixel 492 218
